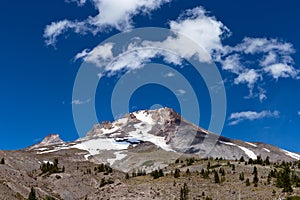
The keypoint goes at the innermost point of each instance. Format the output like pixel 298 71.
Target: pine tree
pixel 184 192
pixel 247 182
pixel 127 176
pixel 187 171
pixel 177 173
pixel 284 179
pixel 103 182
pixel 32 195
pixel 267 160
pixel 161 173
pixel 216 177
pixel 254 170
pixel 255 180
pixel 250 161
pixel 242 176
pixel 222 171
pixel 2 162
pixel 242 159
pixel 233 167
pixel 208 165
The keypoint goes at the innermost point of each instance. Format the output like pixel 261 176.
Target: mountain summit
pixel 150 143
pixel 51 139
pixel 128 142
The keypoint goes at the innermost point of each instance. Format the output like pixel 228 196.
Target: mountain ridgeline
pixel 149 154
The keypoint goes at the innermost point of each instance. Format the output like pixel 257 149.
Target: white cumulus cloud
pixel 281 70
pixel 250 61
pixel 238 117
pixel 111 14
pixel 205 30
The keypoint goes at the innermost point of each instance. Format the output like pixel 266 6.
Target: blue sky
pixel 255 46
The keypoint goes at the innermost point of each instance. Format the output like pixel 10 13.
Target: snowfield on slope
pixel 291 154
pixel 248 152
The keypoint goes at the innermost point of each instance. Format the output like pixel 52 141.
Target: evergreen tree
pixel 254 170
pixel 184 192
pixel 208 165
pixel 127 176
pixel 32 195
pixel 233 167
pixel 2 162
pixel 133 173
pixel 202 172
pixel 284 179
pixel 177 173
pixel 250 161
pixel 258 161
pixel 187 171
pixel 242 159
pixel 242 176
pixel 267 160
pixel 247 182
pixel 216 177
pixel 222 171
pixel 255 180
pixel 255 177
pixel 206 174
pixel 103 182
pixel 161 173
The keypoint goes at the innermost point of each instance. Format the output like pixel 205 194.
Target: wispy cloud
pixel 80 102
pixel 238 117
pixel 298 112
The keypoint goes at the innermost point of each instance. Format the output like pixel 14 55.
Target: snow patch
pixel 267 150
pixel 291 154
pixel 111 130
pixel 119 156
pixel 41 149
pixel 50 162
pixel 254 145
pixel 141 133
pixel 94 146
pixel 248 152
pixel 227 143
pixel 144 117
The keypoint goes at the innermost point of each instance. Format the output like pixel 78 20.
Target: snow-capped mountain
pixel 49 140
pixel 142 135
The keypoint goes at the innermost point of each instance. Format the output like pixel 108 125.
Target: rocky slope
pixel 144 140
pixel 126 142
